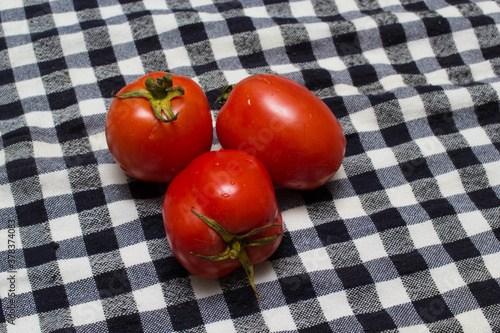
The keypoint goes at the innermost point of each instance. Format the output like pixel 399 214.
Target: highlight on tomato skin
pixel 220 213
pixel 154 134
pixel 288 128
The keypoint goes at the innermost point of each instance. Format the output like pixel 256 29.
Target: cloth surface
pixel 404 238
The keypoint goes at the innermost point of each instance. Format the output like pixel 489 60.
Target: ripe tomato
pixel 221 213
pixel 160 123
pixel 289 129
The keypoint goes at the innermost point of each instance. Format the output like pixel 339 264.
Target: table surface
pixel 404 238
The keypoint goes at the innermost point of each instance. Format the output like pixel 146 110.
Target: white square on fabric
pixel 75 269
pixel 30 88
pixel 279 319
pixel 473 321
pixel 98 141
pixel 150 298
pixel 414 329
pixel 235 76
pixel 336 64
pixel 492 263
pixel 465 40
pixel 488 7
pixel 346 6
pixel 450 183
pixel 297 218
pixel 23 284
pixel 388 3
pixel 65 19
pixel 392 293
pixel 370 247
pixel 221 326
pixel 459 98
pixel 203 288
pixel 25 324
pixel 349 207
pixel 316 260
pixel 365 120
pixel 15 28
pixel 132 66
pixel 420 49
pixel 382 158
pixel 22 55
pixel 65 227
pixel 401 196
pixel 438 77
pixel 154 4
pixel 474 223
pixel 87 313
pixel 476 136
pixel 165 22
pixel 482 71
pixel 111 174
pixel 81 76
pixel 90 107
pixel 120 33
pixel 177 57
pixel 73 43
pixel 270 38
pixel 302 9
pixel 11 4
pixel 55 183
pixel 412 108
pixel 447 278
pixel 430 146
pixel 256 12
pixel 392 82
pixel 47 149
pixel 493 172
pixel 377 56
pixel 135 254
pixel 6 195
pixel 122 212
pixel 335 305
pixel 223 47
pixel 423 234
pixel 318 30
pixel 41 119
pixel 110 11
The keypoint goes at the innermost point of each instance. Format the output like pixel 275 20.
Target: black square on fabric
pixel 87 4
pixel 491 52
pixel 461 249
pixel 321 194
pixel 286 249
pixel 91 24
pixel 6 77
pixel 323 327
pixel 347 44
pixel 129 323
pixel 408 263
pixel 486 292
pixel 144 190
pixel 366 182
pixel 336 105
pixel 89 199
pixel 332 233
pixel 241 302
pixel 35 256
pixel 21 134
pixel 488 113
pixel 376 321
pixel 100 242
pixel 113 283
pixel 363 75
pixel 169 268
pixel 316 79
pixel 442 123
pixel 297 288
pixel 354 276
pixel 37 10
pixel 240 24
pixel 406 68
pixel 453 60
pixel 416 6
pixel 463 158
pixel 253 60
pixel 148 44
pixel 387 219
pixel 396 135
pixel 392 34
pixel 153 227
pixel 110 85
pixel 21 169
pixel 193 33
pixel 101 57
pixel 484 199
pixel 51 298
pixel 51 66
pixel 71 130
pixel 185 316
pixel 353 145
pixel 80 160
pixel 62 99
pixel 415 169
pixel 11 110
pixel 437 208
pixel 32 213
pixel 436 26
pixel 300 53
pixel 481 20
pixel 432 309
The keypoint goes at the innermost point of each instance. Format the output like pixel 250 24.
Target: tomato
pixel 288 128
pixel 157 125
pixel 221 213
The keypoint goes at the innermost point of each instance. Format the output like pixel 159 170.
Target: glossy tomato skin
pixel 289 129
pixel 149 149
pixel 230 187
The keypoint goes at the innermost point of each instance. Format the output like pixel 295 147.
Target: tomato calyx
pixel 159 92
pixel 226 90
pixel 236 244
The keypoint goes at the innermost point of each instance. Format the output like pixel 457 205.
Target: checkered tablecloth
pixel 404 238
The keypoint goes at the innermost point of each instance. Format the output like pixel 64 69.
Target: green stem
pixel 236 244
pixel 226 90
pixel 159 93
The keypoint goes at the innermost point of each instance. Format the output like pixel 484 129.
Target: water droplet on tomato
pixel 225 195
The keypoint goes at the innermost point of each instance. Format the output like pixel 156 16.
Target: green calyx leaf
pixel 226 90
pixel 159 92
pixel 236 244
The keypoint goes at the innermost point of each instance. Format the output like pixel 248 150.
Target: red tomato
pixel 153 140
pixel 233 189
pixel 289 129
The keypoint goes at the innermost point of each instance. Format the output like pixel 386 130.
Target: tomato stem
pixel 226 90
pixel 236 244
pixel 159 92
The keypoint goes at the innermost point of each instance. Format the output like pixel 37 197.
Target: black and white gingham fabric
pixel 405 238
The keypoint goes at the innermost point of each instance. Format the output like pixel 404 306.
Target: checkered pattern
pixel 406 237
